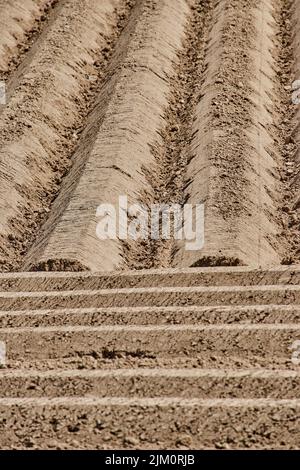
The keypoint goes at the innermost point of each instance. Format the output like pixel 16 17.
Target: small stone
pixel 28 442
pixel 100 425
pixel 52 444
pixel 73 428
pixel 184 440
pixel 296 85
pixel 131 440
pixel 75 443
pixel 222 445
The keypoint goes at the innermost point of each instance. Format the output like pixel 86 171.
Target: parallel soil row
pixel 221 121
pixel 41 123
pixel 162 103
pixel 115 145
pixel 21 23
pixel 270 344
pixel 217 276
pixel 235 147
pixel 93 316
pixel 290 31
pixel 151 383
pixel 171 150
pixel 154 296
pixel 143 369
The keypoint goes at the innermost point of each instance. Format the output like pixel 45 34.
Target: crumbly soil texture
pixel 144 343
pixel 165 103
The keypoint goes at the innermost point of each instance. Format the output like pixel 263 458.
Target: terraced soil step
pixel 155 423
pixel 153 297
pixel 231 314
pixel 108 359
pixel 217 276
pixel 164 102
pixel 152 383
pixel 242 341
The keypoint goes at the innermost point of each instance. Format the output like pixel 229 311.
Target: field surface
pixel 143 344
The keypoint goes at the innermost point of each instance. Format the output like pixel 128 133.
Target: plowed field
pixel 141 343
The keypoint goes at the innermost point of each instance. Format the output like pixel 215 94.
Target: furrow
pixel 166 175
pixel 117 142
pixel 234 164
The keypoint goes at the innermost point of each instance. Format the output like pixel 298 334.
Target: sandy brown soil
pixel 123 344
pixel 212 122
pixel 205 353
pixel 96 424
